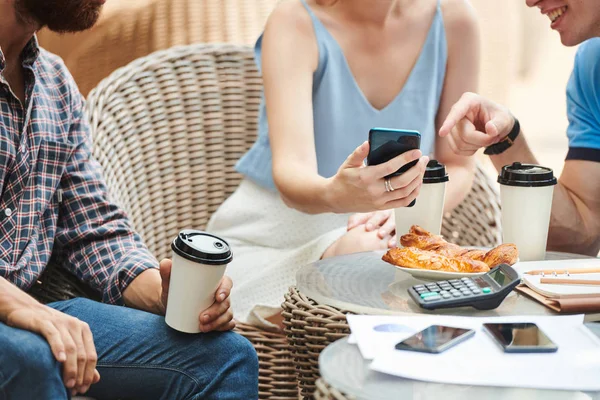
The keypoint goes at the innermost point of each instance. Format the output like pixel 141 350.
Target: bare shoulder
pixel 289 32
pixel 460 20
pixel 290 18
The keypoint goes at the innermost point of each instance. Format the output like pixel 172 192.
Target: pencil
pixel 563 271
pixel 559 281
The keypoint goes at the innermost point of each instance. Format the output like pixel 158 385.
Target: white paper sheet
pixel 479 360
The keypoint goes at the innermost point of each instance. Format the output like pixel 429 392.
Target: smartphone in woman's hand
pixel 386 144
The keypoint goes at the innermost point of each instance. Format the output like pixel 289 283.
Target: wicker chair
pixel 128 30
pixel 167 130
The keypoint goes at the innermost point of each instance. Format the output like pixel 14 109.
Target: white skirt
pixel 270 242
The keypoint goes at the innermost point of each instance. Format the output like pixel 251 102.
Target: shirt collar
pixel 29 55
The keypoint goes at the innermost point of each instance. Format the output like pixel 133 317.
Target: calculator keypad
pixel 451 289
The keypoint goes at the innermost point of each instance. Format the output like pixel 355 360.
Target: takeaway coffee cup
pixel 199 262
pixel 526 196
pixel 429 208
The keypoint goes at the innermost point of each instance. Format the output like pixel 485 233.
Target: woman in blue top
pixel 332 70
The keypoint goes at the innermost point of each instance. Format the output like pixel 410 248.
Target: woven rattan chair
pixel 167 130
pixel 128 30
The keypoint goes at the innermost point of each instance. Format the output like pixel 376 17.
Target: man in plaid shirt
pixel 53 199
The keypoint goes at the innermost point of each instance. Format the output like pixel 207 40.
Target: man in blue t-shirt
pixel 475 122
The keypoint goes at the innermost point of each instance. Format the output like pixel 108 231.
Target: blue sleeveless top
pixel 342 114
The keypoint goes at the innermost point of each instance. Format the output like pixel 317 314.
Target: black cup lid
pixel 526 175
pixel 435 172
pixel 202 247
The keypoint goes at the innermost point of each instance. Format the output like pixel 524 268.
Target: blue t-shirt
pixel 583 103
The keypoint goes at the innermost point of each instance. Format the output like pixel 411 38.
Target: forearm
pixel 305 192
pixel 144 292
pixel 11 298
pixel 575 218
pixel 459 185
pixel 518 152
pixel 574 225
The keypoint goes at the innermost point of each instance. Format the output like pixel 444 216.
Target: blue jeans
pixel 139 357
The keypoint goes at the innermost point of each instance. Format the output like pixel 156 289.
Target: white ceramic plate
pixel 432 275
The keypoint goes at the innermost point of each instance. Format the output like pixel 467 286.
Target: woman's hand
pixel 383 221
pixel 359 188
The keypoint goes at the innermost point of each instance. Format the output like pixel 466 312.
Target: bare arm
pixel 289 58
pixel 575 219
pixel 462 75
pixel 476 122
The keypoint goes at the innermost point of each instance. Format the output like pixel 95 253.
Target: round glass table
pixel 363 283
pixel 341 366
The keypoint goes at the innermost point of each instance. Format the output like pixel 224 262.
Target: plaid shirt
pixel 52 190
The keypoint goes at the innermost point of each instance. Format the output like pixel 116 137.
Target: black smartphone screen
pixel 386 144
pixel 521 337
pixel 435 339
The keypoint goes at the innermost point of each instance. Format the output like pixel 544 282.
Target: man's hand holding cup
pixel 194 283
pixel 217 317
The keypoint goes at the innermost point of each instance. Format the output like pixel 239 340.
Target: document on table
pixel 479 360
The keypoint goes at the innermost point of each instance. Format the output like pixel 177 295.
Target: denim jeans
pixel 139 357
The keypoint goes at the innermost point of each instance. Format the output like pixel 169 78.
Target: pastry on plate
pixel 424 250
pixel 411 257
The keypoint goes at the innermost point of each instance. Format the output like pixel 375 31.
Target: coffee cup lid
pixel 435 172
pixel 202 247
pixel 526 175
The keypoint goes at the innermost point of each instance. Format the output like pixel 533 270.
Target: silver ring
pixel 388 185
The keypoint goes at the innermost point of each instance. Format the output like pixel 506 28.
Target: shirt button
pixel 8 212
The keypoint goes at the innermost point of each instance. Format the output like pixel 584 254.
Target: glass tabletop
pixel 342 366
pixel 365 284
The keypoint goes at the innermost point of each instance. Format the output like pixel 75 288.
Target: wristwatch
pixel 505 143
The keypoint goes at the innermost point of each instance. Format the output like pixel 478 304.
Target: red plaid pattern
pixel 53 195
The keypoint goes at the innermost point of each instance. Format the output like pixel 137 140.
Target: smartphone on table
pixel 435 339
pixel 386 144
pixel 521 338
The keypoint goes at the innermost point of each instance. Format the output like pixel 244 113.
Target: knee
pixel 30 360
pixel 242 353
pixel 33 355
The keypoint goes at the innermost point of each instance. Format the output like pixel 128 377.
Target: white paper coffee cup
pixel 429 207
pixel 526 196
pixel 199 263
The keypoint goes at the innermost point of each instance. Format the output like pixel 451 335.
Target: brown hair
pixel 326 2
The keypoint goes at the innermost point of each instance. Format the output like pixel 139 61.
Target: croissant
pixel 424 250
pixel 411 257
pixel 503 254
pixel 478 255
pixel 422 239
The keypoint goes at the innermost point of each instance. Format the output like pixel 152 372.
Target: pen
pixel 559 281
pixel 563 271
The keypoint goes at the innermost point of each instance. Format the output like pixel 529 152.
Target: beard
pixel 59 15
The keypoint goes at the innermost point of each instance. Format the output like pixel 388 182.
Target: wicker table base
pixel 276 373
pixel 325 392
pixel 310 327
